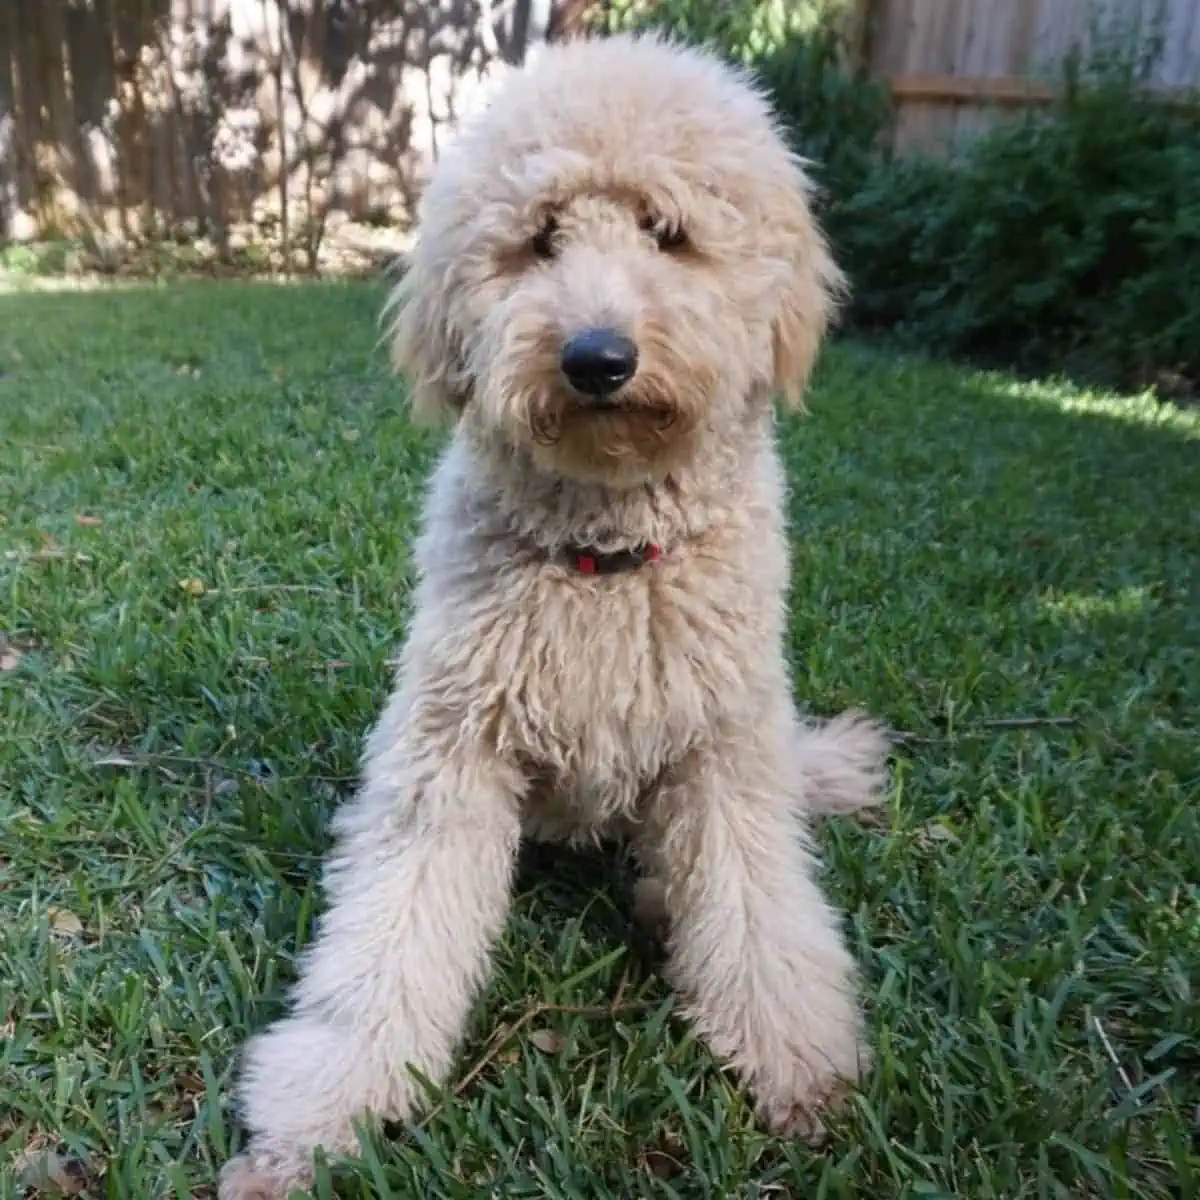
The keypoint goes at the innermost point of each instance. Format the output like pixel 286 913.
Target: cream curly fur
pixel 655 703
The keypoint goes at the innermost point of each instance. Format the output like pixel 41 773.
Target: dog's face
pixel 615 260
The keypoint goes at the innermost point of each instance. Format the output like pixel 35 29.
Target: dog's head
pixel 615 258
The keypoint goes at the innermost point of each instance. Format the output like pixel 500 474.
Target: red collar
pixel 587 560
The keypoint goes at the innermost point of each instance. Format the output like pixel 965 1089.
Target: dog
pixel 617 272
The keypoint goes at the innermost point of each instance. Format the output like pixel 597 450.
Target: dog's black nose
pixel 598 361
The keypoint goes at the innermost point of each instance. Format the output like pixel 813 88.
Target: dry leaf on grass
pixel 52 1174
pixel 660 1164
pixel 668 1158
pixel 935 832
pixel 547 1041
pixel 190 1084
pixel 87 521
pixel 64 921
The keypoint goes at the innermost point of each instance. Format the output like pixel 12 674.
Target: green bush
pixel 835 115
pixel 1070 241
pixel 744 30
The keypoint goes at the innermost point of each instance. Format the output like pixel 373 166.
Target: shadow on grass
pixel 945 513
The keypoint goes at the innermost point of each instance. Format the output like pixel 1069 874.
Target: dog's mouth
pixel 624 409
pixel 602 405
pixel 620 405
pixel 631 400
pixel 620 416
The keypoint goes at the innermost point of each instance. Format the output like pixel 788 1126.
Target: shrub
pixel 835 114
pixel 1067 241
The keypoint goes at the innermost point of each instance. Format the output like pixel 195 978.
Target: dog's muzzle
pixel 598 362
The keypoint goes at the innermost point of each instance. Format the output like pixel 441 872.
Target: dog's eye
pixel 543 241
pixel 667 235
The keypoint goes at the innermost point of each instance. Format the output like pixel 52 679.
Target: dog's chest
pixel 602 684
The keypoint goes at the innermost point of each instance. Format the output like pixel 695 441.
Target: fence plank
pixel 894 22
pixel 1181 49
pixel 8 140
pixel 1004 91
pixel 954 68
pixel 1023 36
pixel 1191 74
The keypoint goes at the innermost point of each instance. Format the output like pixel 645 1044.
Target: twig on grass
pixel 212 764
pixel 1029 723
pixel 275 587
pixel 506 1033
pixel 619 995
pixel 982 728
pixel 1116 1062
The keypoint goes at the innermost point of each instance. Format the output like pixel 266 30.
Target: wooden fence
pixel 201 119
pixel 955 66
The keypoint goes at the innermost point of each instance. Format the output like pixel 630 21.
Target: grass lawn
pixel 206 496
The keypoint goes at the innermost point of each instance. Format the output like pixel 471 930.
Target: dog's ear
pixel 812 289
pixel 423 346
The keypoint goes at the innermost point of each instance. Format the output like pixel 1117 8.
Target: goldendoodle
pixel 617 271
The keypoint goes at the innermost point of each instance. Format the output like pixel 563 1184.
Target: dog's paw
pixel 260 1177
pixel 805 1119
pixel 800 1109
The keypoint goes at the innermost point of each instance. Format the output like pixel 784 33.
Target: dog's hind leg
pixel 418 888
pixel 754 949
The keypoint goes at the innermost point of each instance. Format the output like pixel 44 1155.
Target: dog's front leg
pixel 418 889
pixel 754 949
